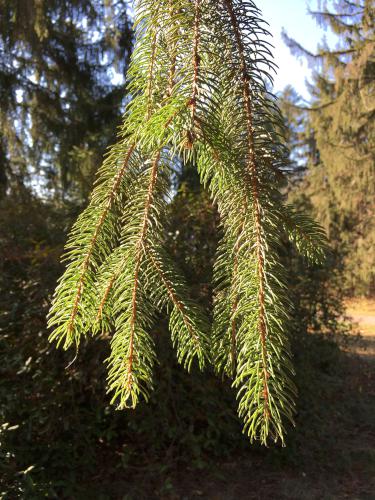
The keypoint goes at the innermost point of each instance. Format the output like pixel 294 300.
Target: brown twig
pixel 176 302
pixel 86 262
pixel 256 202
pixel 196 65
pixel 138 261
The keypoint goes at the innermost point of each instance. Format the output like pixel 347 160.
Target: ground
pixel 347 465
pixel 330 456
pixel 335 459
pixel 362 311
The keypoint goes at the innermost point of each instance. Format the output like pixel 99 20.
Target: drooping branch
pixel 67 330
pixel 139 254
pixel 98 227
pixel 197 86
pixel 251 165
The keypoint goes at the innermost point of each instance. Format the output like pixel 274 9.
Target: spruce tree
pixel 340 123
pixel 59 101
pixel 199 94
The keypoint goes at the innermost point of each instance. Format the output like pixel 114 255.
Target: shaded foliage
pixel 60 436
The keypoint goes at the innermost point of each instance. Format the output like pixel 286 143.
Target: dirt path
pixel 366 321
pixel 362 312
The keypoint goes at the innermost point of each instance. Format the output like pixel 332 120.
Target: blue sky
pixel 293 16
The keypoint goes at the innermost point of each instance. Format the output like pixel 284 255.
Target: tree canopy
pixel 62 67
pixel 339 135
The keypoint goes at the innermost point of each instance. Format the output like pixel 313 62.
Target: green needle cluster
pixel 198 87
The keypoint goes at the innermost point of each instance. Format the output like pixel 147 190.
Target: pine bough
pixel 198 92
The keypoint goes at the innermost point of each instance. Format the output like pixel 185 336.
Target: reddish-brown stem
pixel 196 58
pixel 234 309
pixel 255 198
pixel 139 252
pixel 105 296
pixel 196 65
pixel 151 73
pixel 172 69
pixel 173 297
pixel 86 262
pixel 172 72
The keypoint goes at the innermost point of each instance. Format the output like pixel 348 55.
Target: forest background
pixel 62 92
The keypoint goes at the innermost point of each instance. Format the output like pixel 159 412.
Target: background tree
pixel 340 182
pixel 62 77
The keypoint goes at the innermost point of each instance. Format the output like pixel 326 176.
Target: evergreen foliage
pixel 59 101
pixel 339 137
pixel 198 84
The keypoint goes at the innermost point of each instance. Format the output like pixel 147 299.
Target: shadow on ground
pixel 331 456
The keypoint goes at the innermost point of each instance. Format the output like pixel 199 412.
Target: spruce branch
pixel 91 238
pixel 198 92
pixel 308 236
pixel 188 322
pixel 252 169
pixel 132 355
